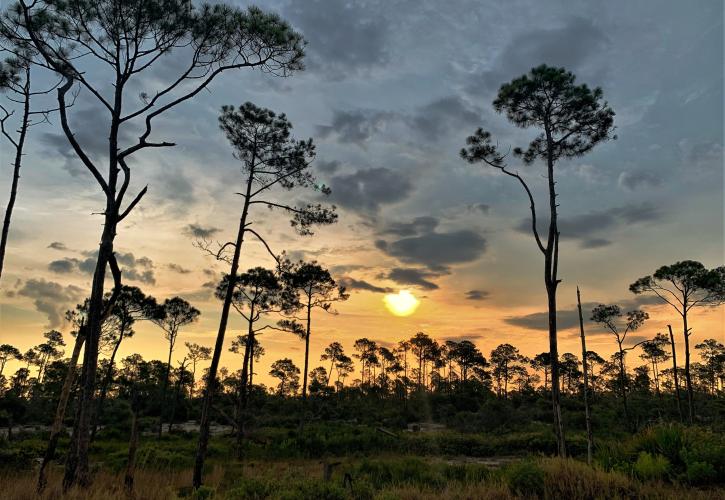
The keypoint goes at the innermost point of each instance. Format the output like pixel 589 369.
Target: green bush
pixel 253 489
pixel 651 467
pixel 525 478
pixel 319 490
pixel 701 473
pixel 203 493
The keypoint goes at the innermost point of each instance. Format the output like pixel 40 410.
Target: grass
pixel 383 479
pixel 662 462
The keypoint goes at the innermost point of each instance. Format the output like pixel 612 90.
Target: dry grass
pixel 563 479
pixel 150 485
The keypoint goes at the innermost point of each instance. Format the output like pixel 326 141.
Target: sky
pixel 390 92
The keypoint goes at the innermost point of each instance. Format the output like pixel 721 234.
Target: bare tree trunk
pixel 623 382
pixel 307 349
pixel 241 405
pixel 688 378
pixel 219 345
pixel 164 390
pixel 57 427
pixel 587 415
pixel 551 263
pixel 24 123
pixel 674 372
pixel 555 394
pixel 132 444
pixel 77 467
pixel 104 388
pixel 177 393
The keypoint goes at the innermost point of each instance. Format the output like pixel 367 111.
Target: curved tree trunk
pixel 104 387
pixel 23 131
pixel 219 345
pixel 57 427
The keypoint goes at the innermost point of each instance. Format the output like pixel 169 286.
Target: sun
pixel 402 303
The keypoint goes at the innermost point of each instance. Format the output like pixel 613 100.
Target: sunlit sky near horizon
pixel 391 90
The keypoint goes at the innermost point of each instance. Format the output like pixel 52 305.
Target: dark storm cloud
pixel 139 269
pixel 588 228
pixel 423 224
pixel 199 231
pixel 639 179
pixel 51 298
pixel 412 276
pixel 328 167
pixel 57 245
pixel 570 45
pixel 90 127
pixel 565 318
pixel 569 318
pixel 356 126
pixel 440 117
pixel 345 38
pixel 368 189
pixel 353 284
pixel 172 185
pixel 479 207
pixel 436 250
pixel 430 122
pixel 177 268
pixel 701 154
pixel 62 266
pixel 477 295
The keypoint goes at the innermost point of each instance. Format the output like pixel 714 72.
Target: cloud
pixel 353 284
pixel 91 121
pixel 438 118
pixel 199 231
pixel 51 298
pixel 356 126
pixel 430 122
pixel 328 167
pixel 412 276
pixel 565 318
pixel 134 269
pixel 368 189
pixel 701 154
pixel 568 318
pixel 479 207
pixel 172 185
pixel 177 268
pixel 571 45
pixel 436 250
pixel 477 295
pixel 638 179
pixel 423 224
pixel 57 245
pixel 588 228
pixel 63 266
pixel 345 38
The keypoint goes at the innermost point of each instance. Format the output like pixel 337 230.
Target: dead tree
pixel 106 48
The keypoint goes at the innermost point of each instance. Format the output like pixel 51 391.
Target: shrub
pixel 203 493
pixel 318 490
pixel 253 489
pixel 525 478
pixel 701 473
pixel 649 467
